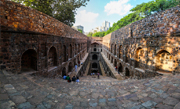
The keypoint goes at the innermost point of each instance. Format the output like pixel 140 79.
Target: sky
pixel 98 11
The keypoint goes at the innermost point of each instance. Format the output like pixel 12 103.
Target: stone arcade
pixel 33 41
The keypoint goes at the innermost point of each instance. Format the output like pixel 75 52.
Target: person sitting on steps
pixel 67 78
pixel 74 79
pixel 64 77
pixel 77 79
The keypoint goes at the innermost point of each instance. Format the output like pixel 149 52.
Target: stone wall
pixel 18 17
pixel 31 40
pixel 148 46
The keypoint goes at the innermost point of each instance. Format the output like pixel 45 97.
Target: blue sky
pixel 97 11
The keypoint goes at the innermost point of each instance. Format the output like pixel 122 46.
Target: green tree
pixel 141 11
pixel 80 30
pixel 99 34
pixel 62 10
pixel 90 34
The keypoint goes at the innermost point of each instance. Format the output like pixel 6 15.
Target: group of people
pixel 74 79
pixel 93 75
pixel 76 66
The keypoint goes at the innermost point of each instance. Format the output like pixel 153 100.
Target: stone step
pixel 115 73
pixel 87 69
pixel 102 69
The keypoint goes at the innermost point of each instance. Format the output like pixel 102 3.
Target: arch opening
pixel 111 48
pixel 115 63
pixel 94 65
pixel 120 68
pixel 94 49
pixel 164 61
pixel 138 57
pixel 52 57
pixel 70 67
pixel 75 63
pixel 126 54
pixel 114 49
pixel 95 57
pixel 64 71
pixel 120 51
pixel 79 48
pixel 111 59
pixel 29 60
pixel 127 73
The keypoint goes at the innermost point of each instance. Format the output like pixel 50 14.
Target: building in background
pixel 79 27
pixel 105 26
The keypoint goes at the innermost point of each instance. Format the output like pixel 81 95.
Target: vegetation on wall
pixel 62 10
pixel 90 34
pixel 80 30
pixel 139 12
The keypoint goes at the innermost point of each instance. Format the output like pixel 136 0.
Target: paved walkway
pixel 26 91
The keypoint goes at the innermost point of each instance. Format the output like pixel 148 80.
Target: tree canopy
pixel 139 12
pixel 80 30
pixel 62 10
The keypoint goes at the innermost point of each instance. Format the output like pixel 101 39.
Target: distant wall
pixel 31 40
pixel 165 22
pixel 147 46
pixel 18 17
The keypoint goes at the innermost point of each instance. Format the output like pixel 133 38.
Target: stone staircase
pixel 87 69
pixel 81 61
pixel 110 65
pixel 102 69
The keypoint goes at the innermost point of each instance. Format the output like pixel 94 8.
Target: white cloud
pixel 86 19
pixel 120 7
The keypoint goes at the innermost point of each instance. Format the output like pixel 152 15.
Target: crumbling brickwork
pixel 147 47
pixel 31 40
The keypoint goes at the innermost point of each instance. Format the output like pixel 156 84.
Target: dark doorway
pixel 94 65
pixel 120 68
pixel 64 71
pixel 52 57
pixel 114 49
pixel 94 49
pixel 127 72
pixel 95 57
pixel 70 67
pixel 29 60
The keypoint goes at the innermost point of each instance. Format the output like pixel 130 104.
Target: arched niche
pixel 52 57
pixel 95 57
pixel 115 49
pixel 94 65
pixel 29 60
pixel 64 71
pixel 120 68
pixel 138 56
pixel 164 61
pixel 120 51
pixel 127 72
pixel 70 67
pixel 115 63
